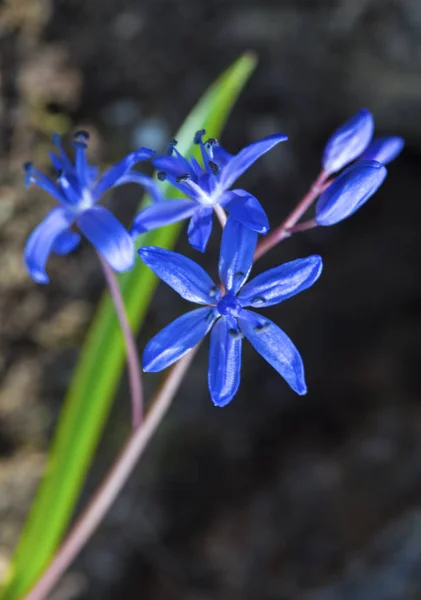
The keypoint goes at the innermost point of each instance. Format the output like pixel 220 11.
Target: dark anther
pixel 182 178
pixel 213 291
pixel 161 175
pixel 262 327
pixel 81 136
pixel 214 167
pixel 198 136
pixel 27 166
pixel 234 333
pixel 212 141
pixel 258 300
pixel 172 144
pixel 239 275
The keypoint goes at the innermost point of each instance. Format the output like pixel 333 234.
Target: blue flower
pixel 383 149
pixel 349 191
pixel 77 190
pixel 225 312
pixel 348 141
pixel 205 187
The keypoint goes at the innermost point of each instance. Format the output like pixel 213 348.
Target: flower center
pixel 229 305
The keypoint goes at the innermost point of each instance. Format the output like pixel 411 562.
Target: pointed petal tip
pixel 317 260
pixel 222 401
pixel 38 276
pixel 198 247
pixel 282 137
pixel 125 263
pixel 146 251
pixel 147 366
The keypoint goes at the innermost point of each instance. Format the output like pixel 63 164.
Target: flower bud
pixel 383 149
pixel 349 191
pixel 348 141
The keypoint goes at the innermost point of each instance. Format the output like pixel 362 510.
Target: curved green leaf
pixel 100 366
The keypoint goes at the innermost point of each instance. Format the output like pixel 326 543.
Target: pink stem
pixel 304 226
pixel 135 374
pixel 281 232
pixel 105 495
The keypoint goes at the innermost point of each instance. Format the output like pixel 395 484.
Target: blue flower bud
pixel 348 141
pixel 349 191
pixel 384 149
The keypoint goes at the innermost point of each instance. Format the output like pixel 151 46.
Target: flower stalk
pixel 113 483
pixel 283 231
pixel 135 373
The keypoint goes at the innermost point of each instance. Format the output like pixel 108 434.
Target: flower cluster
pixel 353 169
pixel 362 178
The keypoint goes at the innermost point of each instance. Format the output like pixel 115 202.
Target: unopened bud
pixel 383 149
pixel 348 142
pixel 349 191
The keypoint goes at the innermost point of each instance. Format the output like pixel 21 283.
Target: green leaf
pixel 100 366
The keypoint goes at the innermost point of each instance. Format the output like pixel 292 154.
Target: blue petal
pixel 66 242
pixel 162 213
pixel 278 284
pixel 384 149
pixel 245 208
pixel 173 165
pixel 219 154
pixel 236 256
pixel 146 182
pixel 349 192
pixel 348 141
pixel 246 157
pixel 108 236
pixel 184 275
pixel 44 182
pixel 177 339
pixel 41 242
pixel 114 173
pixel 276 348
pixel 224 361
pixel 200 228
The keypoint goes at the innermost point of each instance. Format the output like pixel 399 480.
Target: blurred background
pixel 274 497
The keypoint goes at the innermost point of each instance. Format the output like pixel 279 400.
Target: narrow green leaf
pixel 100 367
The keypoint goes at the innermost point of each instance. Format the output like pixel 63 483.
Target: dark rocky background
pixel 275 497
